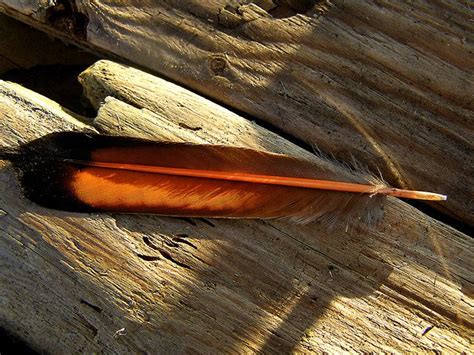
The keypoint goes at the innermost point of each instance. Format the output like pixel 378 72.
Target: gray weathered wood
pixel 216 285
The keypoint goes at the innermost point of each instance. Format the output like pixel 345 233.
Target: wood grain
pixel 118 283
pixel 389 83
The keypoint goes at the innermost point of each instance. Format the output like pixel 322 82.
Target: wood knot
pixel 218 65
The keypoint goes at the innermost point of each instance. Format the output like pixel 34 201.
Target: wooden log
pixel 387 83
pixel 118 283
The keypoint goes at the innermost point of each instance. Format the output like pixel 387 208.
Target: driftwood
pixel 389 83
pixel 115 283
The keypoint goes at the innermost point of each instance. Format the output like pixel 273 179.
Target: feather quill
pixel 81 172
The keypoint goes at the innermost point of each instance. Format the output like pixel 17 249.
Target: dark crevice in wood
pixel 427 329
pixel 12 344
pixel 184 241
pixel 56 82
pixel 207 221
pixel 94 331
pixel 148 257
pixel 170 243
pixel 149 243
pixel 164 253
pixel 65 17
pixel 94 307
pixel 185 126
pixel 442 217
pixel 289 8
pixel 5 58
pixel 230 15
pixel 169 257
pixel 188 220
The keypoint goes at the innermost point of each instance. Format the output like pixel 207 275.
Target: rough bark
pixel 115 283
pixel 389 83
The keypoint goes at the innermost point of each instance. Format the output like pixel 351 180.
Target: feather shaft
pixel 269 179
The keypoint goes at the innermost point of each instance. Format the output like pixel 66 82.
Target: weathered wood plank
pixel 183 285
pixel 389 83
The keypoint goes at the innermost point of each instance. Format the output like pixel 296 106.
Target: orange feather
pixel 81 172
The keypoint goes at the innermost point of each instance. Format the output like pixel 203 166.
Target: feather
pixel 82 172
